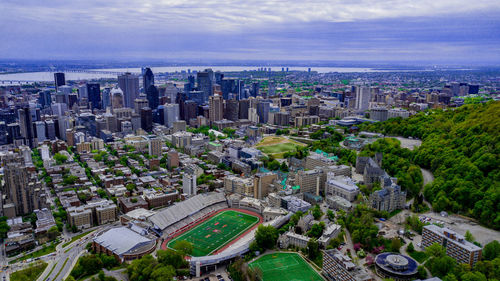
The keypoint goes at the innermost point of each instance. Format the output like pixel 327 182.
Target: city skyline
pixel 440 32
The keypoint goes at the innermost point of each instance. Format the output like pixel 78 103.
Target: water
pixel 49 76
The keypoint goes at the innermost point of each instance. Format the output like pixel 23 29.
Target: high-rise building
pixel 263 108
pixel 26 126
pixel 216 108
pixel 362 97
pixel 189 184
pixel 148 78
pixel 154 146
pixel 232 110
pixel 206 80
pixel 44 99
pixel 139 104
pixel 59 80
pixel 255 89
pixel 40 131
pixel 244 105
pixel 117 99
pixel 153 96
pixel 146 119
pixel 94 95
pixel 129 84
pixel 171 114
pixel 20 189
pixel 106 98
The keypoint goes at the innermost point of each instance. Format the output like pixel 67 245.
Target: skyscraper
pixel 263 108
pixel 255 89
pixel 59 80
pixel 146 119
pixel 20 190
pixel 205 82
pixel 362 97
pixel 216 108
pixel 243 110
pixel 44 99
pixel 106 97
pixel 129 84
pixel 153 97
pixel 232 110
pixel 171 114
pixel 26 125
pixel 148 79
pixel 189 184
pixel 94 94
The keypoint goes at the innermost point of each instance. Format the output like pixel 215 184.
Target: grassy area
pixel 419 256
pixel 42 252
pixel 216 232
pixel 277 146
pixel 30 273
pixel 62 267
pixel 284 267
pixel 74 238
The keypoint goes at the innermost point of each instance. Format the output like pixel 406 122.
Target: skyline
pixel 440 32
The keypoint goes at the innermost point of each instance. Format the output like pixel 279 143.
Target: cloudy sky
pixel 429 31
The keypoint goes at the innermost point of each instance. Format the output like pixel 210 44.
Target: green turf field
pixel 285 267
pixel 216 232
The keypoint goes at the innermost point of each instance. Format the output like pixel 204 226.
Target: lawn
pixel 31 273
pixel 285 267
pixel 76 237
pixel 42 252
pixel 216 232
pixel 277 146
pixel 418 256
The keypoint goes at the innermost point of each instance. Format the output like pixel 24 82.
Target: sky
pixel 408 31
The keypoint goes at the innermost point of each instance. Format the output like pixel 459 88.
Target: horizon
pixel 400 32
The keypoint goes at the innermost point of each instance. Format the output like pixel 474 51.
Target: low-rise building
pixel 341 186
pixel 128 204
pixel 339 267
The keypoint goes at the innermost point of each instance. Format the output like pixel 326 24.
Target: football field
pixel 216 232
pixel 285 267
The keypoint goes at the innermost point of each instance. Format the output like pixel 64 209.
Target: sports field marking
pixel 235 223
pixel 285 267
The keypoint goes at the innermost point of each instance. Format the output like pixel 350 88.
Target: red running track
pixel 165 242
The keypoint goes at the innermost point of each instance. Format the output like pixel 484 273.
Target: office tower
pixel 362 97
pixel 189 184
pixel 171 114
pixel 243 110
pixel 190 110
pixel 82 91
pixel 44 99
pixel 189 86
pixel 139 104
pixel 218 77
pixel 106 98
pixel 464 89
pixel 129 84
pixel 51 129
pixel 19 189
pixel 73 99
pixel 196 96
pixel 263 108
pixel 271 89
pixel 171 92
pixel 94 95
pixel 146 119
pixel 216 108
pixel 379 113
pixel 14 132
pixel 255 89
pixel 87 120
pixel 148 78
pixel 473 89
pixel 205 82
pixel 40 131
pixel 59 80
pixel 63 93
pixel 25 124
pixel 153 97
pixel 117 99
pixel 232 110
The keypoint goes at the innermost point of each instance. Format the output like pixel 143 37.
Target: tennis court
pixel 216 232
pixel 285 267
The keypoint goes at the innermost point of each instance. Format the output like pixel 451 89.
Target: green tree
pixel 395 244
pixel 60 158
pixel 266 236
pixel 316 230
pixel 312 249
pixel 469 237
pixel 165 272
pixel 410 248
pixel 184 247
pixel 172 258
pixel 491 250
pixel 316 212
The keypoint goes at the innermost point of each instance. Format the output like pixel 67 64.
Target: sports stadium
pixel 218 233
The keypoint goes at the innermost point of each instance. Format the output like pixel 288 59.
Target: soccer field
pixel 216 232
pixel 285 267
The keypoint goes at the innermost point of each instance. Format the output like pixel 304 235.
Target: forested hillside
pixel 462 148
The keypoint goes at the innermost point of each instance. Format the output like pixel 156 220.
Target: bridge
pixel 94 71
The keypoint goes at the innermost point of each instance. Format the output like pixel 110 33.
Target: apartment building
pixel 455 244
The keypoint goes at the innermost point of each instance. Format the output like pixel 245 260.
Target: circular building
pixel 396 266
